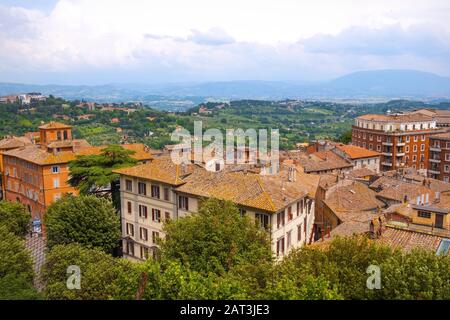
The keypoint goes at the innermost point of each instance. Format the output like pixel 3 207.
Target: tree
pixel 346 137
pixel 100 273
pixel 215 239
pixel 92 172
pixel 16 270
pixel 87 220
pixel 14 216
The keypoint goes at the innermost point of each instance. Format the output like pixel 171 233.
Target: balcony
pixel 400 144
pixel 388 154
pixel 435 149
pixel 433 171
pixel 435 160
pixel 400 154
pixel 388 164
pixel 390 144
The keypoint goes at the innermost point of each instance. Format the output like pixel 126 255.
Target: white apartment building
pixel 154 192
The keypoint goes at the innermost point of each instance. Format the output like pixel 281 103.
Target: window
pixel 447 157
pixel 144 253
pixel 58 135
pixel 379 138
pixel 155 191
pixel 422 147
pixel 280 246
pixel 56 197
pixel 378 148
pixel 290 216
pixel 370 137
pixel 299 232
pixel 56 183
pixel 143 211
pixel 370 146
pixel 414 148
pixel 280 219
pixel 446 179
pixel 167 194
pixel 242 212
pixel 66 136
pixel 288 245
pixel 406 149
pixel 130 229
pixel 262 220
pixel 414 158
pixel 55 169
pixel 130 248
pixel 416 138
pixel 408 138
pixel 183 203
pixel 156 215
pixel 143 233
pixel 446 168
pixel 167 216
pixel 129 185
pixel 142 188
pixel 423 214
pixel 129 210
pixel 155 236
pixel 423 137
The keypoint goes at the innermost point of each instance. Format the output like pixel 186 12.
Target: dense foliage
pixel 16 271
pixel 88 220
pixel 15 217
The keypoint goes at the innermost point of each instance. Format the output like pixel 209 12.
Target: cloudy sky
pixel 106 41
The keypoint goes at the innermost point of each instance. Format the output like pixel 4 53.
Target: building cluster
pixel 34 168
pixel 23 98
pixel 320 190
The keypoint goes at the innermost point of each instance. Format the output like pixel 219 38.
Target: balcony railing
pixel 435 149
pixel 389 164
pixel 435 160
pixel 387 143
pixel 433 171
pixel 388 154
pixel 399 154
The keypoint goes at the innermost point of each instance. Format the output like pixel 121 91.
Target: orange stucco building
pixel 37 175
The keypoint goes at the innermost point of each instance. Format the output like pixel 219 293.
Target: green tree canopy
pixel 215 239
pixel 92 172
pixel 100 273
pixel 87 220
pixel 14 216
pixel 16 269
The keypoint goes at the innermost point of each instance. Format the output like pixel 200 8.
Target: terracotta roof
pixel 408 117
pixel 360 173
pixel 408 240
pixel 345 200
pixel 54 125
pixel 323 161
pixel 355 152
pixel 394 189
pixel 141 151
pixel 160 169
pixel 270 193
pixel 38 155
pixel 14 142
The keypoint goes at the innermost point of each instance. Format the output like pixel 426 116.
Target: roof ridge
pixel 272 205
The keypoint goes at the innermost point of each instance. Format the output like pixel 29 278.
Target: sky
pixel 160 41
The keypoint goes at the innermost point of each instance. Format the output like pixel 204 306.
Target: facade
pixel 439 157
pixel 360 157
pixel 402 139
pixel 36 175
pixel 283 204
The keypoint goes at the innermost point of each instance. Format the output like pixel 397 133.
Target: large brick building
pixel 439 159
pixel 36 175
pixel 402 139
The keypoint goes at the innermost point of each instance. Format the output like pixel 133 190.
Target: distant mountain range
pixel 359 85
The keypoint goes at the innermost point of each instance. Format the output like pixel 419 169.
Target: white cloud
pixel 169 40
